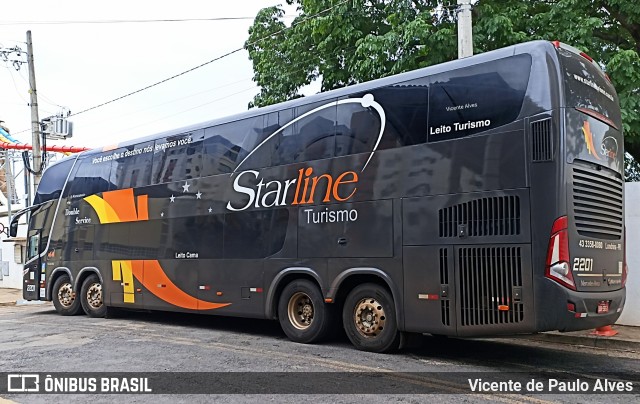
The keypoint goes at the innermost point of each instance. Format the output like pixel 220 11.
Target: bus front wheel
pixel 302 313
pixel 65 299
pixel 369 319
pixel 91 297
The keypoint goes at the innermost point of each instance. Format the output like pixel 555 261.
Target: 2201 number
pixel 583 264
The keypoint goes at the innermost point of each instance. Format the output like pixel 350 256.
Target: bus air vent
pixel 445 304
pixel 597 203
pixel 541 141
pixel 488 277
pixel 492 216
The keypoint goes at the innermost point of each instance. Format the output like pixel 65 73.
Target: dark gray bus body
pixel 451 208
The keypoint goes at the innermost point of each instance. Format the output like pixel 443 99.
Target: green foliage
pixel 631 168
pixel 345 42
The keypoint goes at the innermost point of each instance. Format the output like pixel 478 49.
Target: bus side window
pixel 33 245
pixel 133 168
pixel 310 138
pixel 244 235
pixel 39 227
pixel 91 176
pixel 406 111
pixel 487 96
pixel 177 157
pixel 357 129
pixel 221 149
pixel 245 135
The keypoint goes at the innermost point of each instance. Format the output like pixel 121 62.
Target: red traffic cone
pixel 605 331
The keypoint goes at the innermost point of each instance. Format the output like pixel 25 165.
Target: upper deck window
pixel 53 181
pixel 177 157
pixel 133 168
pixel 311 137
pixel 477 98
pixel 91 176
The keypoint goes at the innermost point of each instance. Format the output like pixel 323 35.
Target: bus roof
pixel 527 47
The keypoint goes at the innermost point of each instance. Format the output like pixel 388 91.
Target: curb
pixel 23 302
pixel 589 341
pixel 7 304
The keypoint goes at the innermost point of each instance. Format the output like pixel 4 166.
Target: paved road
pixel 36 339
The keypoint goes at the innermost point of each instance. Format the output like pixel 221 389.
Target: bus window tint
pixel 222 146
pixel 587 87
pixel 249 134
pixel 91 176
pixel 133 167
pixel 254 234
pixel 310 138
pixel 405 107
pixel 477 98
pixel 177 157
pixel 244 235
pixel 357 129
pixel 53 181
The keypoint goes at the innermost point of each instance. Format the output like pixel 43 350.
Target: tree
pixel 346 42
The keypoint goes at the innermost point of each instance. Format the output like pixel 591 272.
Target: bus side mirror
pixel 13 227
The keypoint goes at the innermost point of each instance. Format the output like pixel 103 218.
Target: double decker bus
pixel 478 197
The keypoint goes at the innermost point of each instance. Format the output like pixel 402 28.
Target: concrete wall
pixel 7 261
pixel 631 313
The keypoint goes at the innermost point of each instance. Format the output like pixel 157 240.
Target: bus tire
pixel 369 319
pixel 65 299
pixel 91 297
pixel 302 313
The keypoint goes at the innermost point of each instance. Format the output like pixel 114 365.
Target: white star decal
pixel 210 210
pixel 173 198
pixel 161 214
pixel 199 195
pixel 185 187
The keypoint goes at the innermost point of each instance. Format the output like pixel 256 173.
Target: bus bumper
pixel 570 310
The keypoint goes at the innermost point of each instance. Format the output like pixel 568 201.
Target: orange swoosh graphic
pixel 120 206
pixel 588 137
pixel 154 276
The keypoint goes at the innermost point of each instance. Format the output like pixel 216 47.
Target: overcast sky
pixel 80 65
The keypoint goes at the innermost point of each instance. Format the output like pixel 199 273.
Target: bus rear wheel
pixel 369 319
pixel 91 297
pixel 65 299
pixel 302 313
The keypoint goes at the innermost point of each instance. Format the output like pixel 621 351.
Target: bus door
pixel 37 237
pixel 31 273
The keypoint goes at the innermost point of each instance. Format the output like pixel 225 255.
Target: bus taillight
pixel 584 55
pixel 557 267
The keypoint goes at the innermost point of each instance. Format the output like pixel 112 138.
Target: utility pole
pixel 35 121
pixel 465 38
pixel 8 161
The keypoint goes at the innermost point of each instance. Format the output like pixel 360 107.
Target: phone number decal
pixel 591 244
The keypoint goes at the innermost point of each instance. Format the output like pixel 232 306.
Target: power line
pixel 101 121
pixel 186 110
pixel 70 22
pixel 210 61
pixel 291 72
pixel 157 83
pixel 40 94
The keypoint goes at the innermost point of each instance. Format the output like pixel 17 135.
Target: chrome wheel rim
pixel 94 295
pixel 66 295
pixel 300 310
pixel 369 317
